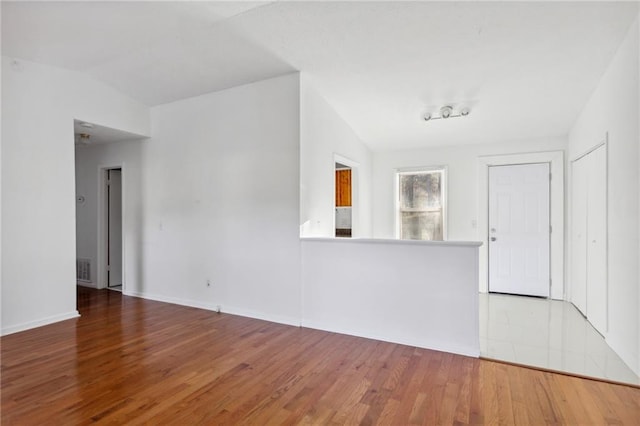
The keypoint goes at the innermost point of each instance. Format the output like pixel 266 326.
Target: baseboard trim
pixel 621 349
pixel 214 307
pixel 419 343
pixel 261 316
pixel 86 284
pixel 39 323
pixel 172 300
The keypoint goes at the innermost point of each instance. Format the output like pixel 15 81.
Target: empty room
pixel 320 212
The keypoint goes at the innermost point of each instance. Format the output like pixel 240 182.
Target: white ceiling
pixel 524 69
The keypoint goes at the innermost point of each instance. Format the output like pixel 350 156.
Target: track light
pixel 447 111
pixel 84 138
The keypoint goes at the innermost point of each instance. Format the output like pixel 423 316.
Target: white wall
pixel 323 134
pixel 1 137
pixel 462 177
pixel 214 194
pixel 613 109
pixel 39 104
pixel 409 292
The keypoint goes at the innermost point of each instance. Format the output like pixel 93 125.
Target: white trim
pixel 355 193
pixel 86 284
pixel 556 219
pixel 39 323
pixel 214 307
pixel 337 158
pixel 172 300
pixel 427 343
pixel 101 277
pixel 593 148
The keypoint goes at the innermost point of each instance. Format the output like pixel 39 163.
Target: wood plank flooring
pixel 134 361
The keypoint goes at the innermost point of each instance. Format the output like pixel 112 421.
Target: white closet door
pixel 579 188
pixel 589 237
pixel 597 240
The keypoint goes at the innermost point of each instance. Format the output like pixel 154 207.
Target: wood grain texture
pixel 134 361
pixel 343 188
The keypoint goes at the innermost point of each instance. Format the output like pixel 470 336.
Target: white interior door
pixel 579 178
pixel 519 229
pixel 114 227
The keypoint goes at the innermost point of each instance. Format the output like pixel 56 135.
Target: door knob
pixel 493 238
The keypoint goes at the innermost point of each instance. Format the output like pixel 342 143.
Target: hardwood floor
pixel 129 360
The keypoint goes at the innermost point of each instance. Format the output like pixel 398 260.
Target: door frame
pixel 556 213
pixel 355 193
pixel 102 224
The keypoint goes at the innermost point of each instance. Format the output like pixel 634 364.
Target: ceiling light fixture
pixel 447 111
pixel 86 125
pixel 84 138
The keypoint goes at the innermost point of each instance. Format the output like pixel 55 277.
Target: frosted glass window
pixel 421 209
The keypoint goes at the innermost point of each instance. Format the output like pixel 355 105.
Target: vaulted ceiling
pixel 525 69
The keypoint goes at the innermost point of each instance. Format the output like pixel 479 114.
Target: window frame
pixel 443 194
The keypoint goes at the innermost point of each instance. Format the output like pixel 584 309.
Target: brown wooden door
pixel 343 188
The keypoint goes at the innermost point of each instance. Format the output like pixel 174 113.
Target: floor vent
pixel 83 270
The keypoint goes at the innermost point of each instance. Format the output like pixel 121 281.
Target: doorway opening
pixel 343 205
pixel 111 267
pixel 346 218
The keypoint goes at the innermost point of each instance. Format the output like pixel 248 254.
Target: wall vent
pixel 83 270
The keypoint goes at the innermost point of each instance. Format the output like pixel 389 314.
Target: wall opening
pixel 346 217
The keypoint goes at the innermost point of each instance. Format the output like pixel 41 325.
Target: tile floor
pixel 545 333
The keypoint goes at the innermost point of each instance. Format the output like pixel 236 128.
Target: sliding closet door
pixel 579 187
pixel 589 237
pixel 597 240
